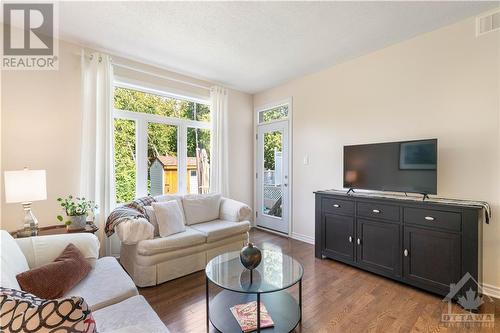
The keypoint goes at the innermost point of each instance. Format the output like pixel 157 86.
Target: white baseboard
pixel 294 235
pixel 271 231
pixel 491 290
pixel 303 238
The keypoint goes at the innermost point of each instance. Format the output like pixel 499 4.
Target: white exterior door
pixel 273 191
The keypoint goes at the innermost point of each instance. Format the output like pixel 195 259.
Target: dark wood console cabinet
pixel 423 244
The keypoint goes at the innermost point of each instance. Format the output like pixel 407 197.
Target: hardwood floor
pixel 336 298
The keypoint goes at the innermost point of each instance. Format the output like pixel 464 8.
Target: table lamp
pixel 26 186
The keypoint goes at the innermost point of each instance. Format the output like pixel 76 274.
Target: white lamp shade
pixel 25 186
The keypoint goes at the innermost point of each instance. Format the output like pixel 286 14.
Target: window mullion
pixel 161 119
pixel 182 159
pixel 141 189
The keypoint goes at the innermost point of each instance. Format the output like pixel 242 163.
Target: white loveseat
pixel 110 293
pixel 152 260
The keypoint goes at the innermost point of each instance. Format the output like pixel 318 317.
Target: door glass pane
pixel 198 161
pixel 125 154
pixel 277 113
pixel 162 159
pixel 272 199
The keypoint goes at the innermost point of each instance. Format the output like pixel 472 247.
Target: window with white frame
pixel 161 143
pixel 275 113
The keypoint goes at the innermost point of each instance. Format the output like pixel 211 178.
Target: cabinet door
pixel 379 247
pixel 339 237
pixel 431 258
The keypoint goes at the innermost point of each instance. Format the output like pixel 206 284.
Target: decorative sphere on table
pixel 250 256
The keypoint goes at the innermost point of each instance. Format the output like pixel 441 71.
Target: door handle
pixel 359 241
pixel 285 184
pixel 350 239
pixel 376 211
pixel 405 252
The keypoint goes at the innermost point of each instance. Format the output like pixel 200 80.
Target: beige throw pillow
pixel 150 213
pixel 169 197
pixel 201 207
pixel 169 217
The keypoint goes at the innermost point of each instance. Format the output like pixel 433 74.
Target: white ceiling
pixel 252 46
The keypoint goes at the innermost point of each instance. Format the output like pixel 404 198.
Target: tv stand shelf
pixel 425 244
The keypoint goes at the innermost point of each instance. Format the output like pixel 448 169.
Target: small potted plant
pixel 77 210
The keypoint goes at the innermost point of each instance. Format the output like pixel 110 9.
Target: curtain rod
pixel 160 76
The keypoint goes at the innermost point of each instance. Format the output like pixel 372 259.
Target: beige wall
pixel 443 84
pixel 241 146
pixel 40 129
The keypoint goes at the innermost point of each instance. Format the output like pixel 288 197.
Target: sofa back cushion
pixel 13 261
pixel 200 208
pixel 41 250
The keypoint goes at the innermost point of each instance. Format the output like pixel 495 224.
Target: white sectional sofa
pixel 108 290
pixel 153 260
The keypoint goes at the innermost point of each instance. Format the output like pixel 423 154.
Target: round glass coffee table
pixel 268 284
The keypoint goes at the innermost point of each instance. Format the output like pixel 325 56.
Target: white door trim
pixel 279 223
pixel 288 101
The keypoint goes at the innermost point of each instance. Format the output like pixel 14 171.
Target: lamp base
pixel 30 222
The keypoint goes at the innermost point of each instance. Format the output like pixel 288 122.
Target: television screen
pixel 408 166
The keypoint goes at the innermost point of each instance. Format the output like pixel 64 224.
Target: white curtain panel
pixel 220 162
pixel 96 174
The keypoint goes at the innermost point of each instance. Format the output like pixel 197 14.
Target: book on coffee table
pixel 246 315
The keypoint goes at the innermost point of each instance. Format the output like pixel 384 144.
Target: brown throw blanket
pixel 130 211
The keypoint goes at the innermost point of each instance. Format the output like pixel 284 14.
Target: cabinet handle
pixel 336 205
pixel 429 218
pixel 405 252
pixel 359 241
pixel 376 211
pixel 350 239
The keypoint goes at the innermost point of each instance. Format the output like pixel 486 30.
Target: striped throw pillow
pixel 23 312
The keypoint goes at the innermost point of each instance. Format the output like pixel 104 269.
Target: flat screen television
pixel 406 166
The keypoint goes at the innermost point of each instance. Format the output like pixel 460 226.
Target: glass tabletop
pixel 276 271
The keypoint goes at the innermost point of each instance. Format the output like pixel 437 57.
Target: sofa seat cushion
pixel 106 284
pixel 131 315
pixel 219 229
pixel 189 237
